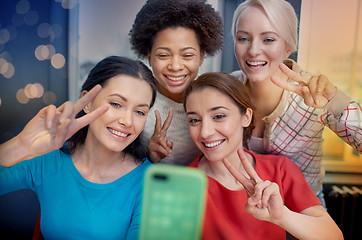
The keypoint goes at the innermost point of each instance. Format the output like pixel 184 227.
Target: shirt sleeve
pixel 16 177
pixel 344 118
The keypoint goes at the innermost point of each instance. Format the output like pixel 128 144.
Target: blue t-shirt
pixel 71 206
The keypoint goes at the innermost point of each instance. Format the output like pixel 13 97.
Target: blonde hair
pixel 280 13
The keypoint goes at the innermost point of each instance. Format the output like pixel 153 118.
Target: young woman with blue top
pixel 91 187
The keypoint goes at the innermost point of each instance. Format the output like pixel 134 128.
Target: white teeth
pixel 118 133
pixel 256 63
pixel 176 78
pixel 210 145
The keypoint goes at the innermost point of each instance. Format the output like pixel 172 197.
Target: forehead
pixel 132 88
pixel 179 35
pixel 254 16
pixel 208 97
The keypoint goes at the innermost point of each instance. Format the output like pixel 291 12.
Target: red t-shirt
pixel 225 216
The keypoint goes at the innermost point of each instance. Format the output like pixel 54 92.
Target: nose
pixel 254 48
pixel 176 63
pixel 125 118
pixel 207 129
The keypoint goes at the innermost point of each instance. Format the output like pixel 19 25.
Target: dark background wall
pixel 22 30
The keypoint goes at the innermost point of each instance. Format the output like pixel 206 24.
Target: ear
pixel 202 57
pixel 86 108
pixel 246 118
pixel 288 51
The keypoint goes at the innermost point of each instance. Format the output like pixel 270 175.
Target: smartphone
pixel 173 203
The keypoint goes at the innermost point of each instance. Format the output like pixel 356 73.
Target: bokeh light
pixel 7 70
pixel 27 90
pixel 31 18
pixel 22 7
pixel 49 98
pixel 4 36
pixel 68 4
pixel 36 90
pixel 58 61
pixel 44 30
pixel 21 97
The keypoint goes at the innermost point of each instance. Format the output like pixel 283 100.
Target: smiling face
pixel 259 48
pixel 129 101
pixel 215 123
pixel 175 59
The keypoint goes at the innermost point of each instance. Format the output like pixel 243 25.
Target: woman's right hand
pixel 159 146
pixel 49 129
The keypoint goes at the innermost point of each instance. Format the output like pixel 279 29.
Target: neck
pixel 266 95
pixel 100 165
pixel 218 171
pixel 179 97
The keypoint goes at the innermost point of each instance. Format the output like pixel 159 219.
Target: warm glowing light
pixel 10 71
pixel 58 61
pixel 49 98
pixel 51 50
pixel 21 97
pixel 22 7
pixel 4 36
pixel 36 90
pixel 4 65
pixel 27 90
pixel 0 102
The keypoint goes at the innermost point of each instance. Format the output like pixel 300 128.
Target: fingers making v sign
pixel 316 91
pixel 159 146
pixel 264 199
pixel 52 126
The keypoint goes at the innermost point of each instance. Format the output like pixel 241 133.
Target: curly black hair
pixel 157 15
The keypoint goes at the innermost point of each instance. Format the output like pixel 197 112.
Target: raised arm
pixel 48 130
pixel 265 203
pixel 343 115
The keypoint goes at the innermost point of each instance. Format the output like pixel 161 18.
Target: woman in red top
pixel 250 196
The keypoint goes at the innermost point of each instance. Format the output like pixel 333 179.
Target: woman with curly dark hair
pixel 174 36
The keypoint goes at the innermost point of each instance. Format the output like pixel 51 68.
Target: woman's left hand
pixel 316 92
pixel 264 199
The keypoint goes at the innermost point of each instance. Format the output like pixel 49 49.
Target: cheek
pixel 194 133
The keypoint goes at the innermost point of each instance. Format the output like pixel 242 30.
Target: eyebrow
pixel 263 33
pixel 211 110
pixel 126 100
pixel 183 49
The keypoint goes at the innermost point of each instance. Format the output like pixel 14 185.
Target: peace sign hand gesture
pixel 159 146
pixel 316 92
pixel 264 199
pixel 52 126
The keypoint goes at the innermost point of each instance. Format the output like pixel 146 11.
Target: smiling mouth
pixel 176 79
pixel 213 144
pixel 117 133
pixel 256 64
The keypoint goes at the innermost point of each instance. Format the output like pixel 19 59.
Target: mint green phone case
pixel 173 203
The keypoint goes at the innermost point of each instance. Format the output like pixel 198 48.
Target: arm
pixel 48 130
pixel 159 146
pixel 265 203
pixel 344 115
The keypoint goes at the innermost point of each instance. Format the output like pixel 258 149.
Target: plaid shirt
pixel 295 130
